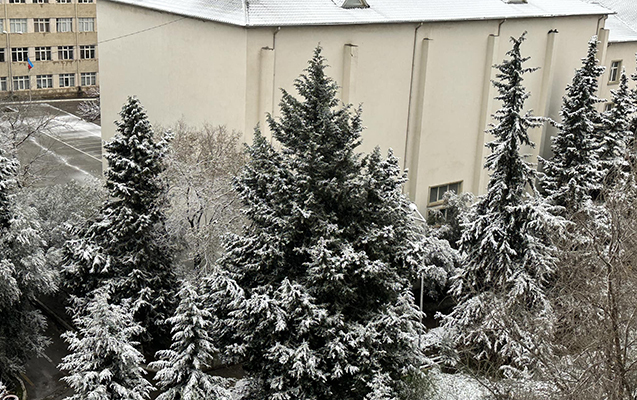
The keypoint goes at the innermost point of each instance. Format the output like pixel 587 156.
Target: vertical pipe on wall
pixel 548 72
pixel 480 175
pixel 266 84
pixel 350 69
pixel 412 147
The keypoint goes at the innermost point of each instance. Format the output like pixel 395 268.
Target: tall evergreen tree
pixel 24 275
pixel 573 174
pixel 508 255
pixel 327 263
pixel 181 370
pixel 615 135
pixel 128 243
pixel 104 363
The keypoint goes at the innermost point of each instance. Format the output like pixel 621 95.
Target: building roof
pixel 329 12
pixel 622 25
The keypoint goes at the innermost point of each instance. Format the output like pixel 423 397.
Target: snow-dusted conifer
pixel 573 174
pixel 615 135
pixel 181 374
pixel 128 244
pixel 327 263
pixel 103 363
pixel 508 255
pixel 24 275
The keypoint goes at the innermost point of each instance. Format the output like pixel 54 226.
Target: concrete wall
pixel 425 88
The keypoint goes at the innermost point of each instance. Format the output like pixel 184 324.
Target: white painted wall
pixel 433 115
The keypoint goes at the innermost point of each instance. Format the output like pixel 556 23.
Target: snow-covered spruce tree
pixel 24 275
pixel 327 262
pixel 502 308
pixel 103 363
pixel 615 135
pixel 181 373
pixel 128 244
pixel 573 174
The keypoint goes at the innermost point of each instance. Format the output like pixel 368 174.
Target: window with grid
pixel 86 24
pixel 43 54
pixel 18 25
pixel 613 75
pixel 41 25
pixel 21 83
pixel 64 24
pixel 88 78
pixel 16 1
pixel 3 83
pixel 65 52
pixel 1 25
pixel 40 1
pixel 436 193
pixel 67 80
pixel 2 56
pixel 87 51
pixel 84 1
pixel 19 54
pixel 62 1
pixel 44 81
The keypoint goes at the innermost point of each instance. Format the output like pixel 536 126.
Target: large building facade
pixel 421 70
pixel 57 37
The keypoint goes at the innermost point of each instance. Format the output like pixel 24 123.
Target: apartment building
pixel 49 48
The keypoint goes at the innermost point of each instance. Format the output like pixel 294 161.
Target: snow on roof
pixel 622 25
pixel 330 12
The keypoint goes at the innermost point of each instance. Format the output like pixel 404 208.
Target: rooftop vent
pixel 355 4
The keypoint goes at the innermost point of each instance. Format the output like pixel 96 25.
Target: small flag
pixel 30 63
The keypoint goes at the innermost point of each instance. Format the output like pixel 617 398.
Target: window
pixel 84 1
pixel 3 84
pixel 436 193
pixel 86 24
pixel 44 81
pixel 1 24
pixel 608 106
pixel 67 80
pixel 613 76
pixel 63 1
pixel 65 52
pixel 88 78
pixel 16 1
pixel 42 54
pixel 19 54
pixel 2 57
pixel 41 25
pixel 18 25
pixel 40 1
pixel 64 25
pixel 87 51
pixel 21 83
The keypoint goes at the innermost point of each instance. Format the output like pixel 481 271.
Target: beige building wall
pixel 83 70
pixel 624 53
pixel 425 88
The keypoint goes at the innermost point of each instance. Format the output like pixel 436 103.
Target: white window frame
pixel 62 1
pixel 21 54
pixel 65 53
pixel 67 80
pixel 3 55
pixel 41 25
pixel 64 24
pixel 613 71
pixel 43 51
pixel 3 83
pixel 86 24
pixel 88 78
pixel 21 82
pixel 88 49
pixel 84 1
pixel 44 81
pixel 18 25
